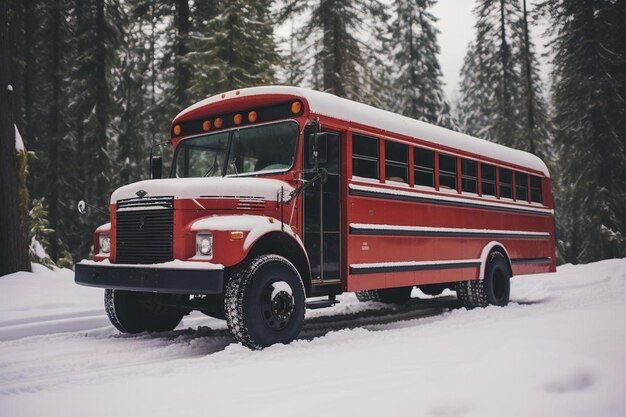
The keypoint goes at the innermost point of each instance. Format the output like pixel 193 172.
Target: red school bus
pixel 278 194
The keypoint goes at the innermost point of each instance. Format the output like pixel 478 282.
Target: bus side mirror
pixel 318 149
pixel 156 167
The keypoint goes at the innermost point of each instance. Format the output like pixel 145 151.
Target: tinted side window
pixel 468 176
pixel 488 179
pixel 506 181
pixel 365 156
pixel 447 171
pixel 396 162
pixel 424 162
pixel 521 186
pixel 535 189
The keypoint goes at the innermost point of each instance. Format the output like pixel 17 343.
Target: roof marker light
pixel 206 125
pixel 177 130
pixel 237 119
pixel 296 106
pixel 217 123
pixel 252 117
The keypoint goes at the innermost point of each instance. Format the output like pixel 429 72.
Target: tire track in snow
pixel 116 356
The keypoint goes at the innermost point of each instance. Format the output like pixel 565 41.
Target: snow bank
pixel 559 349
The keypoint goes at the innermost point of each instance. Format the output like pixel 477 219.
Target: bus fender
pixel 257 229
pixel 484 255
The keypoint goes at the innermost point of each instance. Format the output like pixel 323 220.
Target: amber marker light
pixel 217 123
pixel 236 235
pixel 252 117
pixel 237 119
pixel 177 130
pixel 206 125
pixel 296 106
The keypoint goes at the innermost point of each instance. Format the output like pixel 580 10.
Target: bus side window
pixel 521 186
pixel 447 172
pixel 488 179
pixel 535 189
pixel 468 176
pixel 506 181
pixel 365 156
pixel 424 162
pixel 396 162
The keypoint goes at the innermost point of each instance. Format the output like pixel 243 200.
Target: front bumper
pixel 177 279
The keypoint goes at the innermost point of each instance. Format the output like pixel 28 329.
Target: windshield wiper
pixel 234 165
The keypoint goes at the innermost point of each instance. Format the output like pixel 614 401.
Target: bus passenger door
pixel 322 216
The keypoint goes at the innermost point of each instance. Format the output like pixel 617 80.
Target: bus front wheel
pixel 136 312
pixel 494 289
pixel 265 302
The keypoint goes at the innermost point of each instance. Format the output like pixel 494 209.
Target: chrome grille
pixel 144 230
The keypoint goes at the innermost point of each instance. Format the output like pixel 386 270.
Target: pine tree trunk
pixel 529 85
pixel 102 108
pixel 28 72
pixel 13 252
pixel 54 133
pixel 504 57
pixel 183 75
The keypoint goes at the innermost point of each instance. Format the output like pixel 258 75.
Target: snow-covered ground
pixel 559 349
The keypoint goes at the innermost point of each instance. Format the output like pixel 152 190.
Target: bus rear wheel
pixel 494 289
pixel 265 302
pixel 136 312
pixel 396 296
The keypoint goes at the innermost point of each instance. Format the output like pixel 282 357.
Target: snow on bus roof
pixel 340 108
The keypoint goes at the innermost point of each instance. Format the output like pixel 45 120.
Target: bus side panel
pixel 529 254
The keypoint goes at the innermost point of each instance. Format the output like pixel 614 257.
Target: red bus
pixel 278 194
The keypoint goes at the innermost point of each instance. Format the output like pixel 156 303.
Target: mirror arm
pixel 321 175
pixel 81 208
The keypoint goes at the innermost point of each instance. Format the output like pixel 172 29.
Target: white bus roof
pixel 340 108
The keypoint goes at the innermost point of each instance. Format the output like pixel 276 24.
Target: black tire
pixel 136 312
pixel 259 309
pixel 494 289
pixel 398 296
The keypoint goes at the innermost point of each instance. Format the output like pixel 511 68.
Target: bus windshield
pixel 257 149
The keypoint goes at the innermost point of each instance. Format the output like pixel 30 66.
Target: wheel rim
pixel 499 284
pixel 278 304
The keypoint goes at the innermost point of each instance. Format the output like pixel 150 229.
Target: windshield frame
pixel 230 141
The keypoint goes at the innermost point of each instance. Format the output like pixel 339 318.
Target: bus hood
pixel 188 188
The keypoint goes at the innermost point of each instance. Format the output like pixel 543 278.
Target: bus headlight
pixel 204 244
pixel 104 241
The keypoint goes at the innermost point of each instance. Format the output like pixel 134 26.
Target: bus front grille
pixel 144 230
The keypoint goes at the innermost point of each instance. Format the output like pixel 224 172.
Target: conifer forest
pixel 90 85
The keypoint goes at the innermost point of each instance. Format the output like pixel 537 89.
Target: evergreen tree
pixel 293 55
pixel 13 249
pixel 96 28
pixel 132 96
pixel 340 35
pixel 590 113
pixel 235 48
pixel 417 85
pixel 501 92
